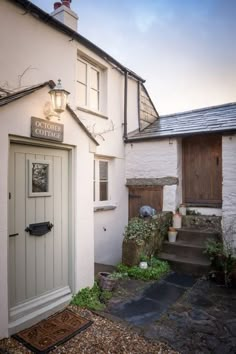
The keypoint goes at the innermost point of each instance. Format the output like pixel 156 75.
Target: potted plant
pixel 172 233
pixel 107 281
pixel 177 219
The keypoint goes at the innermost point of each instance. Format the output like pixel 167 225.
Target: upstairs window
pixel 89 85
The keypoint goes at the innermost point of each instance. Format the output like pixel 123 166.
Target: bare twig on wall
pixel 92 129
pixel 20 77
pixel 6 89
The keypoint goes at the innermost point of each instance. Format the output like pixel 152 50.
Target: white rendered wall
pixel 15 119
pixel 45 53
pixel 109 224
pixel 155 159
pixel 179 190
pixel 229 190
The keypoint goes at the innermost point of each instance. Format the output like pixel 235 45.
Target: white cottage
pixel 187 158
pixel 64 202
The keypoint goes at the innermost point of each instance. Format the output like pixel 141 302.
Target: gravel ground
pixel 102 337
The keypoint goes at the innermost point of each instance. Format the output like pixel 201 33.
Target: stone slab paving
pixel 192 316
pixel 153 301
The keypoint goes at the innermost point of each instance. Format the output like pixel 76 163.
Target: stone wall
pixel 156 160
pixel 132 249
pixel 229 190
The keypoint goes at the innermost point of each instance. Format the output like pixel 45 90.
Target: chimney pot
pixel 66 3
pixel 63 13
pixel 57 5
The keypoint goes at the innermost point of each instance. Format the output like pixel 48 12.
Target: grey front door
pixel 38 192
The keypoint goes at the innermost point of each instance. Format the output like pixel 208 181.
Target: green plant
pixel 115 275
pixel 221 257
pixel 91 298
pixel 105 296
pixel 144 258
pixel 156 269
pixel 143 231
pixel 139 229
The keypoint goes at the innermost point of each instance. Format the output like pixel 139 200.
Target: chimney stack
pixel 63 13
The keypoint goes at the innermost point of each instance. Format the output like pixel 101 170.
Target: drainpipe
pixel 125 105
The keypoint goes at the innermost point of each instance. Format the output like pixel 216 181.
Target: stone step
pixel 196 236
pixel 194 266
pixel 183 249
pixel 207 222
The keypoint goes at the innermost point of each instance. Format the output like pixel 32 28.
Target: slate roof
pixel 26 91
pixel 30 8
pixel 216 119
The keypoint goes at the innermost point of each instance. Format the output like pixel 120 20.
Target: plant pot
pixel 182 209
pixel 106 282
pixel 172 236
pixel 177 220
pixel 143 265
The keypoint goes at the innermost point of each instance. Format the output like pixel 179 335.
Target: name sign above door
pixel 43 129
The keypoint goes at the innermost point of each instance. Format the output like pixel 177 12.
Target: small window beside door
pixel 101 181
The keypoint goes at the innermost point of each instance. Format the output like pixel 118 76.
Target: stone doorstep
pixel 196 236
pixel 185 265
pixel 184 249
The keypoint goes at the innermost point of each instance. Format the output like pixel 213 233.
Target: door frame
pixel 71 203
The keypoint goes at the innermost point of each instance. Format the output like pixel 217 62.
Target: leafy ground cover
pixel 92 298
pixel 95 298
pixel 156 269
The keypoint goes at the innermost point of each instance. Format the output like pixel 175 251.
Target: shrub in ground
pixel 91 298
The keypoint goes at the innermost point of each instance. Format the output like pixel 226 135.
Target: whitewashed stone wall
pixel 156 159
pixel 229 190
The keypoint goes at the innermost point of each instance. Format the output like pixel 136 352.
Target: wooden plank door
pixel 202 170
pixel 139 196
pixel 38 192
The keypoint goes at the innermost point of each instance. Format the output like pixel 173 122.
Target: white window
pixel 89 85
pixel 101 181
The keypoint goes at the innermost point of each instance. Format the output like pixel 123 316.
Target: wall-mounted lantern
pixel 59 98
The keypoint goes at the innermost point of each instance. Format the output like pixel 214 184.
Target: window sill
pixel 89 111
pixel 104 208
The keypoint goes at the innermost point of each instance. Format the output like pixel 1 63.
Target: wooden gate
pixel 144 195
pixel 202 170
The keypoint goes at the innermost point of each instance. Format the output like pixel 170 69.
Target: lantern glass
pixel 59 98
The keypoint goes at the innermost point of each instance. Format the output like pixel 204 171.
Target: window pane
pixel 82 72
pixel 103 191
pixel 94 99
pixel 103 170
pixel 40 177
pixel 94 79
pixel 82 93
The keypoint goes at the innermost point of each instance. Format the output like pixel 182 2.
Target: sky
pixel 184 49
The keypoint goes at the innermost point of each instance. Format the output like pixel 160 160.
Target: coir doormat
pixel 57 329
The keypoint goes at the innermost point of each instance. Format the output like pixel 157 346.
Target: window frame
pixel 97 181
pixel 88 85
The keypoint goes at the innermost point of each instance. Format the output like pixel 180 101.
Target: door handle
pixel 13 235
